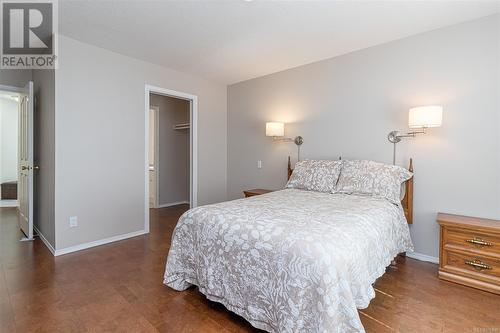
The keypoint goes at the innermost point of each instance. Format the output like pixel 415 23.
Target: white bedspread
pixel 291 260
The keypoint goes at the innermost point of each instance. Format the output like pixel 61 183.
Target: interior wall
pixel 173 150
pixel 15 77
pixel 9 132
pixel 100 140
pixel 44 153
pixel 347 105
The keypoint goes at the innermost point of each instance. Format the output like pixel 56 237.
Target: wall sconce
pixel 276 130
pixel 421 117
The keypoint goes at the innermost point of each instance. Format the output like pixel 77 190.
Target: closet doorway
pixel 170 149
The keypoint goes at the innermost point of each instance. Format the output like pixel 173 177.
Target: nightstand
pixel 255 191
pixel 470 251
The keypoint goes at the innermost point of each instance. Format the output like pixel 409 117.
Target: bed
pixel 292 260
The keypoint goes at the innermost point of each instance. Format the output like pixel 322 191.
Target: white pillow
pixel 315 175
pixel 373 178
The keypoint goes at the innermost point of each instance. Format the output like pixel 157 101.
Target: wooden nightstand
pixel 470 251
pixel 255 191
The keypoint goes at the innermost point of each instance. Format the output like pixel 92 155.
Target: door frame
pixel 193 145
pixel 156 111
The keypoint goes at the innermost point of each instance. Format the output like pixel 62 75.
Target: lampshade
pixel 275 129
pixel 425 116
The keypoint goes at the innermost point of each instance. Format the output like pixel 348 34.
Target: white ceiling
pixel 232 41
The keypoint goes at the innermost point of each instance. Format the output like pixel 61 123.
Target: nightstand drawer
pixel 475 241
pixel 470 251
pixel 473 264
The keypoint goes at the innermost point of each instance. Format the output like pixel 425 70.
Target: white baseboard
pixel 9 203
pixel 44 240
pixel 84 246
pixel 172 204
pixel 422 257
pixel 413 255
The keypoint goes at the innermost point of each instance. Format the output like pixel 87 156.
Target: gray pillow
pixel 315 175
pixel 372 178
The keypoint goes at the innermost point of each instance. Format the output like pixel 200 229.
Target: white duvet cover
pixel 291 260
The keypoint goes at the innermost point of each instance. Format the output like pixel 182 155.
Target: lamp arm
pixel 412 134
pixel 395 136
pixel 298 140
pixel 280 139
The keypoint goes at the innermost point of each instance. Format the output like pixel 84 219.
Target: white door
pixel 25 188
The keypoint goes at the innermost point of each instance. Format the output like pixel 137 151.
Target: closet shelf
pixel 181 126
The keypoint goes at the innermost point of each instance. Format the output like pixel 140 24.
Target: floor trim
pixel 9 203
pixel 44 240
pixel 172 204
pixel 88 245
pixel 422 257
pixel 413 255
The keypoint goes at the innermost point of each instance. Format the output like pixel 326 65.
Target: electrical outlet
pixel 259 164
pixel 73 221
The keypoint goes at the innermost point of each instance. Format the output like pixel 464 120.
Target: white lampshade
pixel 425 116
pixel 275 129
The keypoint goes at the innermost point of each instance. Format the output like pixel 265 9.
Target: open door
pixel 25 188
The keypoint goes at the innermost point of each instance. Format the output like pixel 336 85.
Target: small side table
pixel 255 191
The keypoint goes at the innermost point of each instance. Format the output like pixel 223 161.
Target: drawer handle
pixel 477 264
pixel 478 241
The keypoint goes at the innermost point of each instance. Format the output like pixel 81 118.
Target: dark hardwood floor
pixel 118 288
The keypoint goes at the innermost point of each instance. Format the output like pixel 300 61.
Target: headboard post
pixel 407 201
pixel 290 170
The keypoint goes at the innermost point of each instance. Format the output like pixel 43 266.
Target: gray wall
pixel 100 140
pixel 347 105
pixel 173 149
pixel 44 149
pixel 15 77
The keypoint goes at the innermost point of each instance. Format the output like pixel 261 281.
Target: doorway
pixel 22 162
pixel 171 149
pixel 9 145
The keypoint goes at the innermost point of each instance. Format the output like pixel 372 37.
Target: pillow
pixel 372 178
pixel 315 175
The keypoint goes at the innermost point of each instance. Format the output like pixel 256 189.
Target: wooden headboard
pixel 407 201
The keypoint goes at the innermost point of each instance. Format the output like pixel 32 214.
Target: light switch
pixel 259 164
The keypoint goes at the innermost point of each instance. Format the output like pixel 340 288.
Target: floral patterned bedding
pixel 291 260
